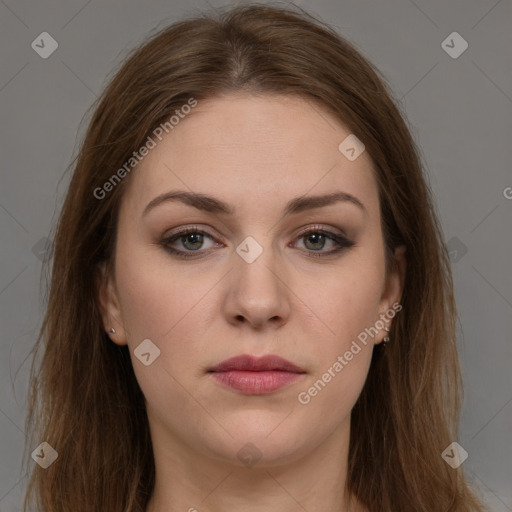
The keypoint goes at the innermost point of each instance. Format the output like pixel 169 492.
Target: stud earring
pixel 112 331
pixel 386 338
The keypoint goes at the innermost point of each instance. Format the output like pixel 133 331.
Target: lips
pixel 256 375
pixel 257 364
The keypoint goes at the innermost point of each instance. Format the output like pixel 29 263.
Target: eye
pixel 192 242
pixel 187 241
pixel 315 240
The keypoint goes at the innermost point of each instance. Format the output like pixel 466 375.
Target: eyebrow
pixel 216 206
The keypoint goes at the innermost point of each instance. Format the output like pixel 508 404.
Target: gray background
pixel 460 114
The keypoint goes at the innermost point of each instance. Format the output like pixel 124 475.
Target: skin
pixel 256 154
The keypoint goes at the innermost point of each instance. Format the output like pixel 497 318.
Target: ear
pixel 390 300
pixel 109 305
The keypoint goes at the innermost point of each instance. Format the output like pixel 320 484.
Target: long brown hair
pixel 85 400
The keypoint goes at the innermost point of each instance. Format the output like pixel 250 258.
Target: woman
pixel 251 306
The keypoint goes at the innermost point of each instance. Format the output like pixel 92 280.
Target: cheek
pixel 326 402
pixel 166 310
pixel 172 309
pixel 346 305
pixel 342 357
pixel 155 300
pixel 348 308
pixel 150 305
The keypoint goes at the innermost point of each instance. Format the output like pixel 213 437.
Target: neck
pixel 187 481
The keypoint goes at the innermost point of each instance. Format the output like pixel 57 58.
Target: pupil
pixel 193 239
pixel 317 238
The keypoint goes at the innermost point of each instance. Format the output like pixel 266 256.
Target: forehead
pixel 246 148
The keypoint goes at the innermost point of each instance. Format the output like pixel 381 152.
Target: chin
pixel 267 442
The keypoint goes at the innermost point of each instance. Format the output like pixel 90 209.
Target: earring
pixel 386 338
pixel 112 331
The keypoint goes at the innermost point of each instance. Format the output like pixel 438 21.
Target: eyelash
pixel 342 242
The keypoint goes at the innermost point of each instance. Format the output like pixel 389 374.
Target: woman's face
pixel 274 264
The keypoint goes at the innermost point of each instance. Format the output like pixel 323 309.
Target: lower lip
pixel 256 383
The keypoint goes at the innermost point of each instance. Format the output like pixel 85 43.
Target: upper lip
pixel 257 364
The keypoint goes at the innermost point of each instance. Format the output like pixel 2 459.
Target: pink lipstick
pixel 256 375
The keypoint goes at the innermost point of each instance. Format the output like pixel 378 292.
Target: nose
pixel 258 294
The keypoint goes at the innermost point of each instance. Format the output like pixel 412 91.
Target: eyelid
pixel 340 239
pixel 174 236
pixel 303 231
pixel 321 228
